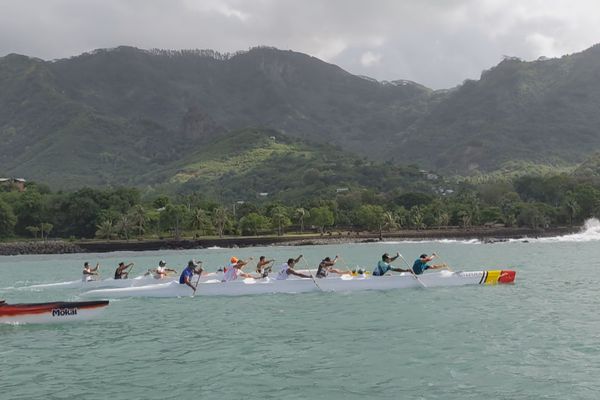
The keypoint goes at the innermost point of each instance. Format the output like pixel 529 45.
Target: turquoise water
pixel 536 339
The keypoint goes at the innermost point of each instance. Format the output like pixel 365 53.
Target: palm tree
pixel 34 230
pixel 45 228
pixel 105 230
pixel 124 225
pixel 199 220
pixel 302 213
pixel 571 207
pixel 390 220
pixel 220 218
pixel 279 216
pixel 138 218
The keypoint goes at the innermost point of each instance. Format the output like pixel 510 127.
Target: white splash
pixel 409 241
pixel 588 233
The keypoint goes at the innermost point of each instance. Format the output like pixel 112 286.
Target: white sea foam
pixel 590 231
pixel 461 241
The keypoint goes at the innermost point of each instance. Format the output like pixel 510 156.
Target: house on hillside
pixel 11 184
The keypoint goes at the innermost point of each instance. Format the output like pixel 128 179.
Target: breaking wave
pixel 590 231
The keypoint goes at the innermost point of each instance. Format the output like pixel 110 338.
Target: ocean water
pixel 536 339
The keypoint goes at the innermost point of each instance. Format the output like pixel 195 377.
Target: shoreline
pixel 486 235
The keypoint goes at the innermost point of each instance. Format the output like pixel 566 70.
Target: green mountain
pixel 130 116
pixel 544 111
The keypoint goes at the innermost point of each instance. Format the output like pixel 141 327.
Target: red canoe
pixel 58 311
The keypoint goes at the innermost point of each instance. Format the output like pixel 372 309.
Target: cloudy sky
pixel 438 43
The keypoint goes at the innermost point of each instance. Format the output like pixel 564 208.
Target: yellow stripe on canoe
pixel 492 277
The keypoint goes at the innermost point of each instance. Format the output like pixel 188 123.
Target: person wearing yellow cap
pixel 234 269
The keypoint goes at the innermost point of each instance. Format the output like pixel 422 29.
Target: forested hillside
pixel 129 116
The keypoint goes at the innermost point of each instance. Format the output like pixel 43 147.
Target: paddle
pixel 197 282
pixel 311 275
pixel 411 271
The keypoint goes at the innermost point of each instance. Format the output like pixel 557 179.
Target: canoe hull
pixel 344 283
pixel 111 283
pixel 42 313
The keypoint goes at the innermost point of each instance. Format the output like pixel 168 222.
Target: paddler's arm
pixel 187 282
pixel 297 259
pixel 339 272
pixel 400 270
pixel 438 266
pixel 301 275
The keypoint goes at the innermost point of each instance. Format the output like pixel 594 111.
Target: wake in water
pixel 589 232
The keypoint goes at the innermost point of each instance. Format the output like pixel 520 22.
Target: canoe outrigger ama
pixel 344 283
pixel 58 311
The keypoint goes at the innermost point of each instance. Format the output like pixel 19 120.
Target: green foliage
pixel 8 220
pixel 371 217
pixel 321 217
pixel 254 223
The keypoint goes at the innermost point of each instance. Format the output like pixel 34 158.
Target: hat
pixel 233 260
pixel 423 256
pixel 192 263
pixel 162 263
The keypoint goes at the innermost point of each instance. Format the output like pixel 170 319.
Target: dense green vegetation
pixel 530 201
pixel 132 117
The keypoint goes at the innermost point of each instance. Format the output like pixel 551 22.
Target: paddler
pixel 186 275
pixel 162 271
pixel 420 264
pixel 89 272
pixel 384 265
pixel 325 267
pixel 120 272
pixel 288 269
pixel 263 267
pixel 234 269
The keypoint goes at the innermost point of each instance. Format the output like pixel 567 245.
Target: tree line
pixel 124 213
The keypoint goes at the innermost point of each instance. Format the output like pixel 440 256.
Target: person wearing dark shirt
pixel 121 271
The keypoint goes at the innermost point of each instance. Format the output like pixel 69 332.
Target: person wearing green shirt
pixel 420 264
pixel 384 265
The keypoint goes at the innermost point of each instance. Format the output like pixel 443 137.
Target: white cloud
pixel 369 59
pixel 437 43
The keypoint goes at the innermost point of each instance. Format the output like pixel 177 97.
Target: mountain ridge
pixel 113 114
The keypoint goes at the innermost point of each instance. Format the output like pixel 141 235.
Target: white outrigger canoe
pixel 101 283
pixel 58 311
pixel 344 283
pixel 141 280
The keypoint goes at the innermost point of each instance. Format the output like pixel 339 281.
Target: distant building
pixel 17 184
pixel 340 190
pixel 263 194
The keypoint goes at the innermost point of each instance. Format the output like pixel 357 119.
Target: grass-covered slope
pixel 252 161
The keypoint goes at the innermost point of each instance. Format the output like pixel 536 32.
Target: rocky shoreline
pixel 486 235
pixel 39 247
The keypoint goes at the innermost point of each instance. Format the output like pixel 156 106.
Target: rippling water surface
pixel 536 339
